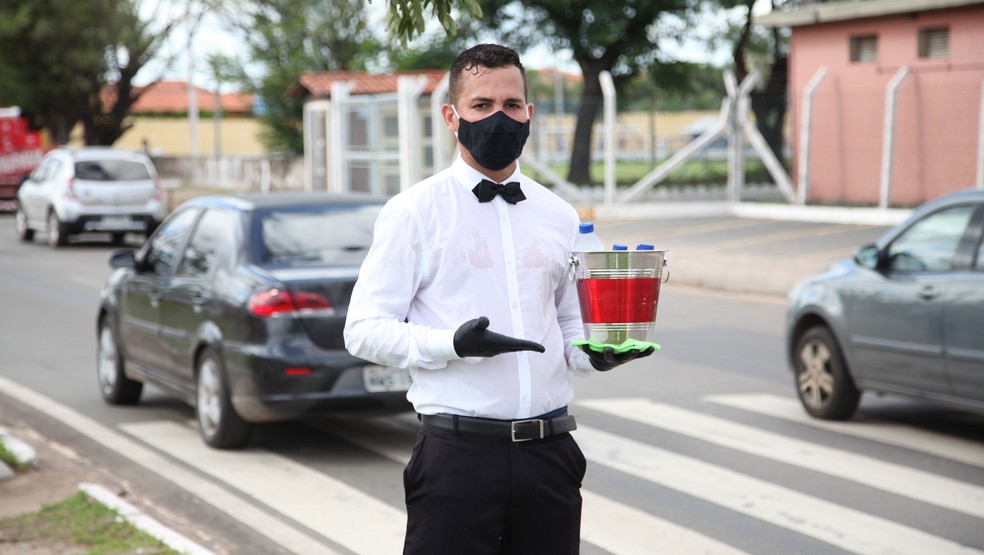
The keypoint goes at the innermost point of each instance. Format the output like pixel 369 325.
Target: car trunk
pixel 308 286
pixel 113 193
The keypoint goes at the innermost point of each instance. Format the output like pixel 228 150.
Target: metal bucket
pixel 619 293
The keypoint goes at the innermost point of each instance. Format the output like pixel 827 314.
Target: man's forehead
pixel 480 81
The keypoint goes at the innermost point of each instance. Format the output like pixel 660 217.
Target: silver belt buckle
pixel 540 420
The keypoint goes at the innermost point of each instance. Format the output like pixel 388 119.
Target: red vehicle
pixel 20 152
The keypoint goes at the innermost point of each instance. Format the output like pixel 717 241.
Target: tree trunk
pixel 769 106
pixel 591 99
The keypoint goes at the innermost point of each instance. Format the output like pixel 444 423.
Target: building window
pixel 934 43
pixel 864 49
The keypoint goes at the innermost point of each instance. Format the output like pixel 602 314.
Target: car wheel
pixel 218 423
pixel 116 388
pixel 823 383
pixel 24 232
pixel 57 237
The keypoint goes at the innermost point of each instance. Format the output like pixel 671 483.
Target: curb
pixel 147 524
pixel 25 454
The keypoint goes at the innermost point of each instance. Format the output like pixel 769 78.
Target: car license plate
pixel 116 221
pixel 379 379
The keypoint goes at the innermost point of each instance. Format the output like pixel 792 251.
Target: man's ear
pixel 450 120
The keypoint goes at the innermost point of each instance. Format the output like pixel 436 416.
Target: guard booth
pixel 372 133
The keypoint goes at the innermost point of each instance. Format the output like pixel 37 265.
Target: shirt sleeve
pixel 571 327
pixel 376 326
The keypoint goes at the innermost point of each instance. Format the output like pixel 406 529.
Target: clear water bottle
pixel 587 240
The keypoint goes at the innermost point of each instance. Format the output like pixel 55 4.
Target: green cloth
pixel 628 345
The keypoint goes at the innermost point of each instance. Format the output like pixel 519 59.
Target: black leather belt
pixel 515 430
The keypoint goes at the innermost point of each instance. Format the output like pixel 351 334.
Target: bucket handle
pixel 573 262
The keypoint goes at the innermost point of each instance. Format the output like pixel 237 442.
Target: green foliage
pixel 619 37
pixel 53 56
pixel 407 18
pixel 290 37
pixel 673 87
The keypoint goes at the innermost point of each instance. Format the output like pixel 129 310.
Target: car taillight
pixel 157 188
pixel 69 190
pixel 278 302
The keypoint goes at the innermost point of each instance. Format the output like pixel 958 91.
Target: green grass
pixel 79 524
pixel 691 172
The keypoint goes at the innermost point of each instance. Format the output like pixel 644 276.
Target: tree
pixel 290 37
pixel 59 58
pixel 51 55
pixel 617 36
pixel 764 50
pixel 131 43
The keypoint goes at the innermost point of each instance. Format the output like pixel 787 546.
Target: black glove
pixel 609 359
pixel 473 339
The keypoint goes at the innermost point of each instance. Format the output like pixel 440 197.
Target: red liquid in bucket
pixel 618 300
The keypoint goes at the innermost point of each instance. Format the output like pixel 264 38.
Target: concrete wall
pixel 938 107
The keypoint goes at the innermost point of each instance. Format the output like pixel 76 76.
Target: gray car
pixel 90 189
pixel 904 316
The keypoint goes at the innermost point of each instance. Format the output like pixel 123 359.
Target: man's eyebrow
pixel 487 100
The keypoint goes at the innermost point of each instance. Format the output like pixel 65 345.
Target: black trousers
pixel 470 495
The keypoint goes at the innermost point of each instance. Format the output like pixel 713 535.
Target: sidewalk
pixel 754 248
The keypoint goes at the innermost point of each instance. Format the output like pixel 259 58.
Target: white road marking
pixel 232 505
pixel 938 445
pixel 837 525
pixel 894 478
pixel 328 506
pixel 619 528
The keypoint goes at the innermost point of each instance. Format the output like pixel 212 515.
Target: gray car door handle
pixel 929 293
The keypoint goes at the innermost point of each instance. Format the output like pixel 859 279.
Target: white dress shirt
pixel 440 258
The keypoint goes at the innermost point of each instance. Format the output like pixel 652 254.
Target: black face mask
pixel 494 142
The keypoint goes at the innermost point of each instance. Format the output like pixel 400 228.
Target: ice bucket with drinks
pixel 619 293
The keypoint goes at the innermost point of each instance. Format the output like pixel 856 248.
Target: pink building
pixel 892 93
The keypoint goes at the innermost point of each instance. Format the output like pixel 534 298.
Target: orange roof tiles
pixel 319 84
pixel 171 97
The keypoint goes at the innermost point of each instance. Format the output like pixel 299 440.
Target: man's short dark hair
pixel 484 55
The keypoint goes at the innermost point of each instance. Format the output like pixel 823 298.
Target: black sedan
pixel 905 316
pixel 236 305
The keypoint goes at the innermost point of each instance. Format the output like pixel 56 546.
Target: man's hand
pixel 473 339
pixel 605 361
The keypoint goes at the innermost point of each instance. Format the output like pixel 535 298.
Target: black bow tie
pixel 510 192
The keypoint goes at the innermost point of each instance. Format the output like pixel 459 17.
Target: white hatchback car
pixel 90 189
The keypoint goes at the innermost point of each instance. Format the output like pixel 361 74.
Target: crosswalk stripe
pixel 625 530
pixel 326 505
pixel 894 478
pixel 606 523
pixel 838 525
pixel 965 451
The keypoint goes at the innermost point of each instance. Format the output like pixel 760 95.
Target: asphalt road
pixel 698 449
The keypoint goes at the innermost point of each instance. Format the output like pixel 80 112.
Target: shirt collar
pixel 469 176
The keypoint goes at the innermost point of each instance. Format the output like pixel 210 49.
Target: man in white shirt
pixel 466 285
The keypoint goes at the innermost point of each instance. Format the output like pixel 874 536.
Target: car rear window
pixel 111 170
pixel 312 235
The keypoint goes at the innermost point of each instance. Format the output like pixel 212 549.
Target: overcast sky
pixel 212 37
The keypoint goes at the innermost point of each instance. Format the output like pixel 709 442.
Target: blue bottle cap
pixel 586 227
pixel 645 247
pixel 618 247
